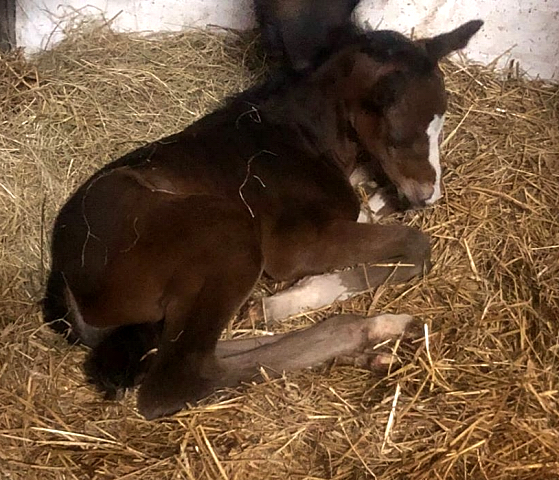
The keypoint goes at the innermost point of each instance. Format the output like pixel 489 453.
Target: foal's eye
pixel 400 141
pixel 370 106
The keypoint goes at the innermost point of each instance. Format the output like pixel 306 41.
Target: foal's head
pixel 397 100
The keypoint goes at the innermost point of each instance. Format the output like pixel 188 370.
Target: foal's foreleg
pixel 310 249
pixel 318 291
pixel 339 336
pixel 384 253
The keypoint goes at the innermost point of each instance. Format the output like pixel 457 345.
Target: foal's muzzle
pixel 418 194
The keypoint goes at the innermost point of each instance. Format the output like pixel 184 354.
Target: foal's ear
pixel 441 45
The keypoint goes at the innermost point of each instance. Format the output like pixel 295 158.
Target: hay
pixel 480 402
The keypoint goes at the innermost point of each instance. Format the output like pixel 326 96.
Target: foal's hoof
pixel 162 400
pixel 385 326
pixel 151 407
pixel 379 329
pixel 164 392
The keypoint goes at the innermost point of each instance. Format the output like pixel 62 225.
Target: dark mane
pixel 278 81
pixel 387 45
pixel 381 45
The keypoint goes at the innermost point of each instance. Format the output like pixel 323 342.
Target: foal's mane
pixel 383 46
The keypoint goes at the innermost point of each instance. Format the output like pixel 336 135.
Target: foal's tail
pixel 119 357
pixel 56 312
pixel 61 313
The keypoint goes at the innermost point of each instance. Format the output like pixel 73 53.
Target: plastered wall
pixel 522 30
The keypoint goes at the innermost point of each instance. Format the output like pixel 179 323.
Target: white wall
pixel 529 28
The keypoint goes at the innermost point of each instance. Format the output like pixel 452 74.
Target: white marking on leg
pixel 308 294
pixel 371 213
pixel 364 216
pixel 433 133
pixel 376 203
pixel 388 325
pixel 358 176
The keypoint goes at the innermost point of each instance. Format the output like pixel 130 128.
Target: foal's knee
pixel 419 250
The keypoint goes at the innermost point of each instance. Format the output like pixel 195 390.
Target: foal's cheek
pixel 414 163
pixel 402 163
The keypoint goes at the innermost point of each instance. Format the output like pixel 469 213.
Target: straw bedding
pixel 478 400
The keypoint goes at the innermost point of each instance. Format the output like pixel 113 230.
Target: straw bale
pixel 477 400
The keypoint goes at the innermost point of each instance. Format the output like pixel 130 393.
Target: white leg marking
pixel 371 213
pixel 308 294
pixel 358 176
pixel 387 325
pixel 376 203
pixel 433 133
pixel 363 217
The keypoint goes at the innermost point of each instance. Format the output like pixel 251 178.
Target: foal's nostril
pixel 418 194
pixel 426 192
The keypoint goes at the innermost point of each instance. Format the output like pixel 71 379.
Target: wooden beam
pixel 7 25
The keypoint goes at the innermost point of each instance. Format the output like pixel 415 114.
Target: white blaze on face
pixel 433 133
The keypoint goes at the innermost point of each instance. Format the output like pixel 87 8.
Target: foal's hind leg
pixel 185 368
pixel 339 336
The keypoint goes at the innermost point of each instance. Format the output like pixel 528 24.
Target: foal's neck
pixel 316 110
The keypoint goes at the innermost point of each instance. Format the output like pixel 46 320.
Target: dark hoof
pixel 162 396
pixel 176 379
